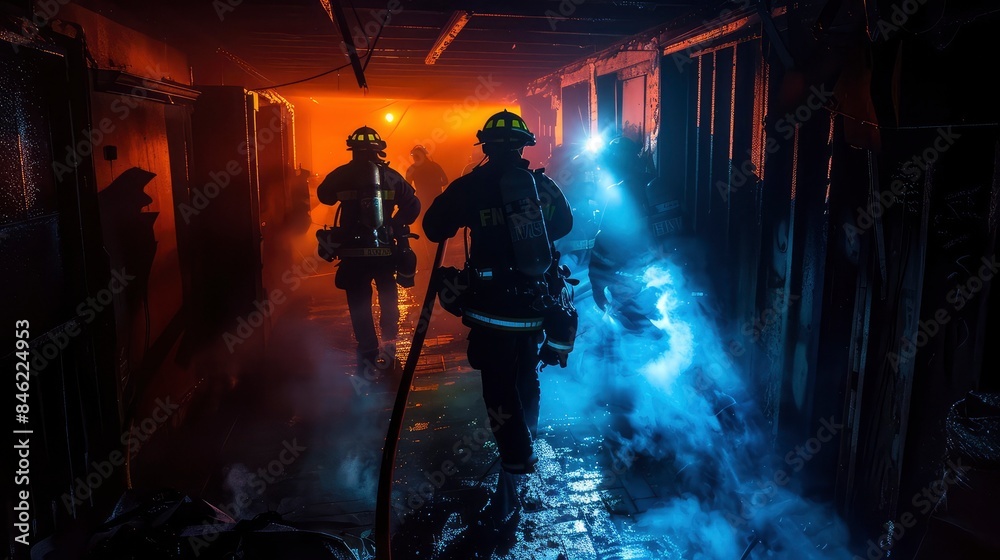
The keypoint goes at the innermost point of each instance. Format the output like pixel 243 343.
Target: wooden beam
pixel 448 34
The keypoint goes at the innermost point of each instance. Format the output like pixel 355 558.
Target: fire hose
pixel 383 500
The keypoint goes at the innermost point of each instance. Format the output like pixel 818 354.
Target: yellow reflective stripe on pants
pixel 353 195
pixel 371 252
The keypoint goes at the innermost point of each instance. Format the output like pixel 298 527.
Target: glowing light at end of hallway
pixel 595 143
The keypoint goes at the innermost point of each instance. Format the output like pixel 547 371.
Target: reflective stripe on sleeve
pixel 558 345
pixel 506 323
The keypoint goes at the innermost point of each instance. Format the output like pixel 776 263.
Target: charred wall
pixel 102 172
pixel 839 188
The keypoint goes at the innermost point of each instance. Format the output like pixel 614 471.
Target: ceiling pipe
pixel 448 33
pixel 336 14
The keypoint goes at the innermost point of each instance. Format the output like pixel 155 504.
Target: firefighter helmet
pixel 419 149
pixel 622 153
pixel 506 128
pixel 365 138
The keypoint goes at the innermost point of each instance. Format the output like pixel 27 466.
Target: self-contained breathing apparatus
pixel 534 294
pixel 367 235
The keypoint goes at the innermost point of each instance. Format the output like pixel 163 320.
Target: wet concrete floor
pixel 298 432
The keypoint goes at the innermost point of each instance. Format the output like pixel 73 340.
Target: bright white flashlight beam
pixel 594 144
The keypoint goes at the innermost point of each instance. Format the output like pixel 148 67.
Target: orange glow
pixel 447 128
pixel 389 117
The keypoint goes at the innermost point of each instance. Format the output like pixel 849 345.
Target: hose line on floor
pixel 383 499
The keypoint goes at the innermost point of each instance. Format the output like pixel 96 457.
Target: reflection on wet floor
pixel 578 504
pixel 305 393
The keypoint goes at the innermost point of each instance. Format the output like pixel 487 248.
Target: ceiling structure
pixel 503 43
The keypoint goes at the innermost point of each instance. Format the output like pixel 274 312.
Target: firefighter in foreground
pixel 512 293
pixel 371 242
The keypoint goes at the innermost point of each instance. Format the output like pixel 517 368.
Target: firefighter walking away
pixel 371 239
pixel 512 293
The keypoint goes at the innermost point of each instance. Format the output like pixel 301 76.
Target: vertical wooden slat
pixel 712 131
pixel 694 189
pixel 729 155
pixel 759 141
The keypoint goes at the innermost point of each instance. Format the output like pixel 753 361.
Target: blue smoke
pixel 665 391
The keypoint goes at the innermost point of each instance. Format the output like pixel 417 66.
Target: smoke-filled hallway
pixel 293 435
pixel 780 222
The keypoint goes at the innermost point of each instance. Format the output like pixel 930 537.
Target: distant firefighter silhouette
pixel 428 179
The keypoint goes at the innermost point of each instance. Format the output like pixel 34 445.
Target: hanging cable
pixel 371 49
pixel 320 75
pixel 368 56
pixel 357 18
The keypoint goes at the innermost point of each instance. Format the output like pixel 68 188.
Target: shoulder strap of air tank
pixel 540 175
pixel 383 173
pixel 541 179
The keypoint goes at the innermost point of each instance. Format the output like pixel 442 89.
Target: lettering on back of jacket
pixel 494 216
pixel 528 231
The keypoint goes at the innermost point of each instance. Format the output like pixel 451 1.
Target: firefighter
pixel 370 243
pixel 425 174
pixel 571 169
pixel 513 215
pixel 428 179
pixel 623 249
pixel 624 245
